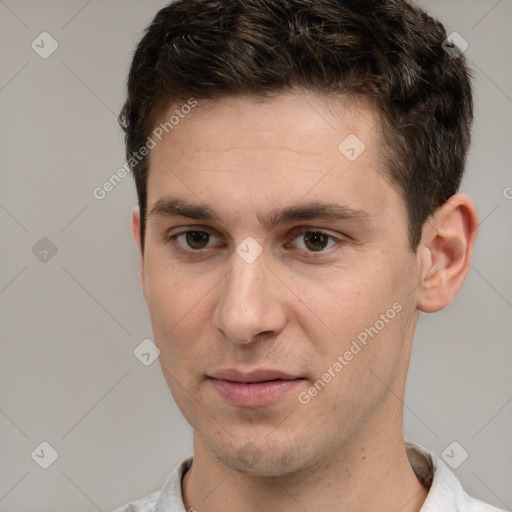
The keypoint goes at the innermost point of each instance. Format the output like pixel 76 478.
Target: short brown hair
pixel 385 50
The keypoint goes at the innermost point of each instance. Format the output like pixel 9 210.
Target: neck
pixel 370 471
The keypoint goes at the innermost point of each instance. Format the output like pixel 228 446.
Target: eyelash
pixel 172 239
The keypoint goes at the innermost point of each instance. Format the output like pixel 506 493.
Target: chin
pixel 271 460
pixel 266 466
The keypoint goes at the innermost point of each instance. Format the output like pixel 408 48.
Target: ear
pixel 446 251
pixel 136 238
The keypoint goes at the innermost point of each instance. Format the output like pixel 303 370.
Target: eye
pixel 309 241
pixel 316 241
pixel 193 239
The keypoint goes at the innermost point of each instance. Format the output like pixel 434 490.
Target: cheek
pixel 180 309
pixel 165 289
pixel 167 298
pixel 359 316
pixel 350 299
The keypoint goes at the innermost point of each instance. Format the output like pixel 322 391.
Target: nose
pixel 251 301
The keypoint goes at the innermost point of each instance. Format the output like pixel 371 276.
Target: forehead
pixel 289 120
pixel 279 150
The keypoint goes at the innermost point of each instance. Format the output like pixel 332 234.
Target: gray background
pixel 69 324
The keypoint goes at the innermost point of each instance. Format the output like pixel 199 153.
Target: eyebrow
pixel 313 210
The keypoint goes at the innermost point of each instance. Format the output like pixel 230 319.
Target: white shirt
pixel 445 495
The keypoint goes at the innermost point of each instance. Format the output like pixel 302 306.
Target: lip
pixel 257 388
pixel 260 375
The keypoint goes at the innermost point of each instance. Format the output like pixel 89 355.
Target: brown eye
pixel 191 240
pixel 315 240
pixel 197 239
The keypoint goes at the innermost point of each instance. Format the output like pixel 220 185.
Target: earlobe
pixel 446 252
pixel 135 225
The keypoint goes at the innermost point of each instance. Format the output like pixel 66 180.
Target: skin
pixel 293 309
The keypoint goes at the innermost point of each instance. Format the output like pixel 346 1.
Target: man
pixel 297 166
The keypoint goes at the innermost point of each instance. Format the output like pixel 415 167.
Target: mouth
pixel 258 388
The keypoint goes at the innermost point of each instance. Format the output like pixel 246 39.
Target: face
pixel 278 277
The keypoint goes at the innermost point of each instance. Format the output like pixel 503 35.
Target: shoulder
pixel 146 504
pixel 168 498
pixel 445 490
